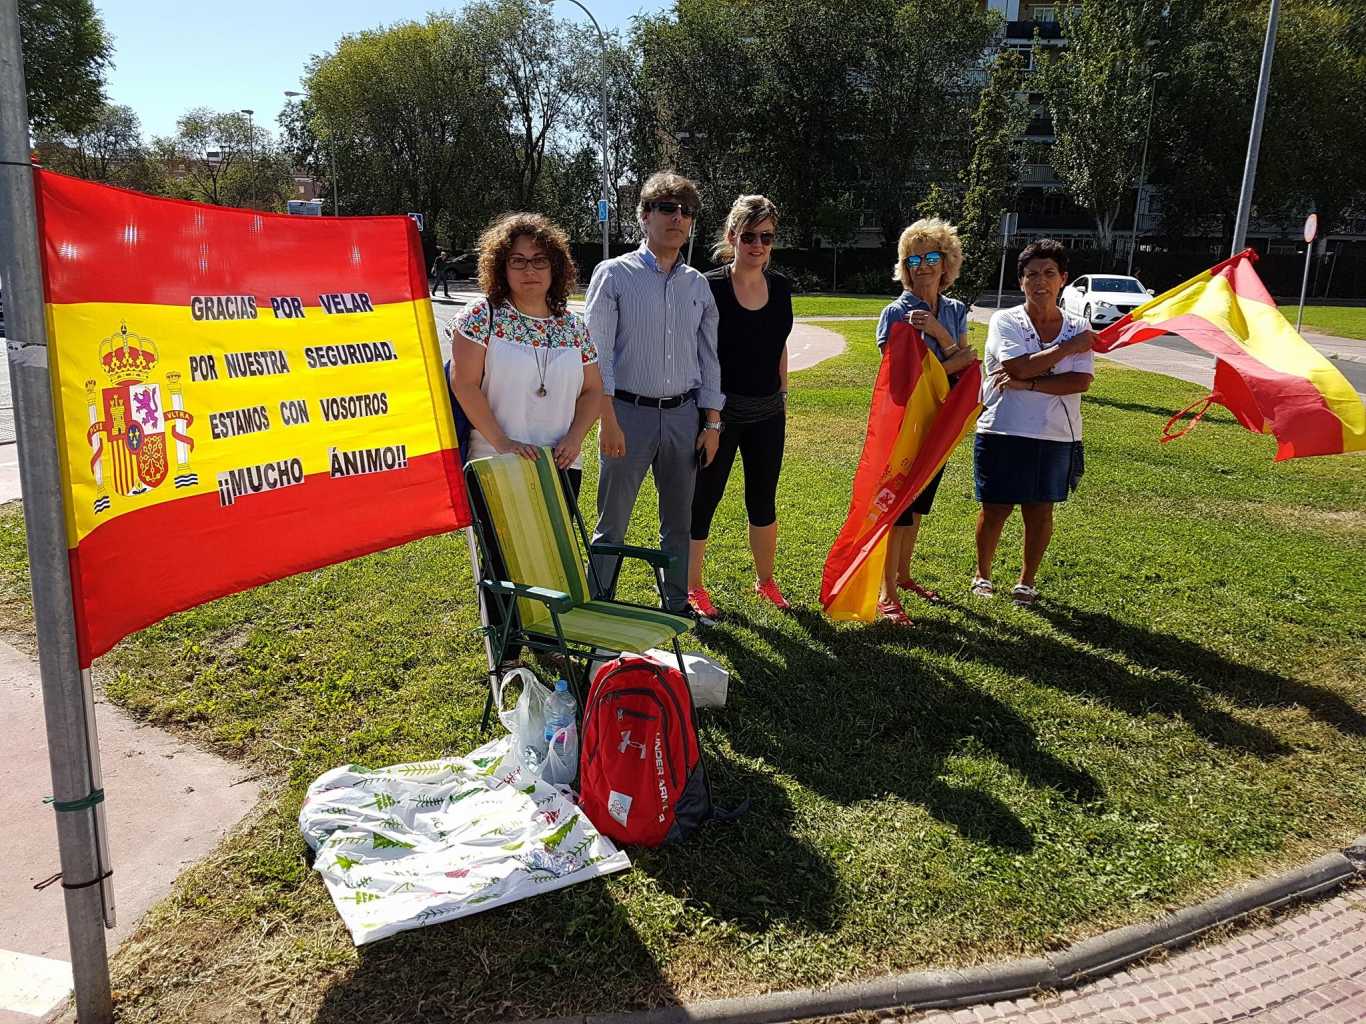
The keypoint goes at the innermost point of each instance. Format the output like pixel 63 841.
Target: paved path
pixel 807 345
pixel 168 805
pixel 1308 967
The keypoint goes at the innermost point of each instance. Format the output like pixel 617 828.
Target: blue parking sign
pixel 602 211
pixel 417 219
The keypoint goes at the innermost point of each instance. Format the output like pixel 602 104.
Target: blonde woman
pixel 755 307
pixel 929 257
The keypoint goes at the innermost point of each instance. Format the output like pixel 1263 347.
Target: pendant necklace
pixel 541 367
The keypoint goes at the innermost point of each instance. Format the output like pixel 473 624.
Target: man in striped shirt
pixel 653 320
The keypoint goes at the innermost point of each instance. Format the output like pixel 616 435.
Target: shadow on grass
pixel 577 950
pixel 853 715
pixel 1242 684
pixel 1216 413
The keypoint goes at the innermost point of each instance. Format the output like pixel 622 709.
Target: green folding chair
pixel 528 531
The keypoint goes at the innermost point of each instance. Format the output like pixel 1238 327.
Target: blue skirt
pixel 1010 470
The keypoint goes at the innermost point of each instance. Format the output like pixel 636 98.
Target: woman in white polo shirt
pixel 1028 450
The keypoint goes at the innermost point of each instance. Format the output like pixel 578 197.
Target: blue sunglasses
pixel 932 258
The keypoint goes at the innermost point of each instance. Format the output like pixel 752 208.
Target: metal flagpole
pixel 67 704
pixel 1254 139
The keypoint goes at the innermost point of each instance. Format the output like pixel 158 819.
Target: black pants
pixel 498 571
pixel 761 451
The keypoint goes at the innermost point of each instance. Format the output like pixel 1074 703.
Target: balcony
pixel 1047 30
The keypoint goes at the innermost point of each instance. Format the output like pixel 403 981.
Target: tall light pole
pixel 1143 169
pixel 68 705
pixel 251 150
pixel 332 158
pixel 602 202
pixel 1254 139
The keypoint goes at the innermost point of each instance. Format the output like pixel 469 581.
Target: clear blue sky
pixel 171 56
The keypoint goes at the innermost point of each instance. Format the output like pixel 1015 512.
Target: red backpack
pixel 641 777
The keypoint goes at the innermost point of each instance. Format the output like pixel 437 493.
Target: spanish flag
pixel 914 422
pixel 239 396
pixel 1269 377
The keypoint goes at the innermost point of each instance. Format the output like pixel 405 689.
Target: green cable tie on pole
pixel 83 804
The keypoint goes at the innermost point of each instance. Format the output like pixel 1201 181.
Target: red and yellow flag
pixel 1269 377
pixel 239 396
pixel 914 422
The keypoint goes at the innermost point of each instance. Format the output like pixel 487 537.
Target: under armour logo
pixel 626 742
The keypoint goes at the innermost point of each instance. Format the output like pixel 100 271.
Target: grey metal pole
pixel 602 42
pixel 67 706
pixel 1143 170
pixel 1304 284
pixel 336 183
pixel 251 150
pixel 1254 140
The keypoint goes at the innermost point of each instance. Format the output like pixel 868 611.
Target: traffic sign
pixel 602 211
pixel 1010 223
pixel 1311 227
pixel 417 219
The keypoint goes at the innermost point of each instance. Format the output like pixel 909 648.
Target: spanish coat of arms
pixel 132 436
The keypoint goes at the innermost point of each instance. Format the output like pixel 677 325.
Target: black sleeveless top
pixel 750 342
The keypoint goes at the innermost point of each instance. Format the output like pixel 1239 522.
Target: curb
pixel 1080 962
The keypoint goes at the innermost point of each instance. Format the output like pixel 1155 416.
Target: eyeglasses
pixel 668 207
pixel 930 259
pixel 520 262
pixel 762 237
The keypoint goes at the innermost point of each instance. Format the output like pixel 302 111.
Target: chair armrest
pixel 653 556
pixel 555 600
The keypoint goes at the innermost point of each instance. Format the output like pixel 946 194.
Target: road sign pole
pixel 1311 228
pixel 1008 222
pixel 1254 138
pixel 67 705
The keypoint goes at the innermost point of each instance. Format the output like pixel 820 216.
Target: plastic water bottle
pixel 561 735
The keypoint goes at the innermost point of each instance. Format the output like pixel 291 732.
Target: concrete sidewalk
pixel 167 805
pixel 1308 967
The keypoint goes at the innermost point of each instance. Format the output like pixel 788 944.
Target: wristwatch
pixel 712 425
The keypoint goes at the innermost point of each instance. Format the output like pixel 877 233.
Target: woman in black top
pixel 751 341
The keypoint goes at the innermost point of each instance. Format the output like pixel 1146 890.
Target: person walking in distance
pixel 653 320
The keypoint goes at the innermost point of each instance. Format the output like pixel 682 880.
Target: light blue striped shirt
pixel 655 332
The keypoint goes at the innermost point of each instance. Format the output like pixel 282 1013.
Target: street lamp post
pixel 1143 169
pixel 332 159
pixel 1254 139
pixel 602 203
pixel 251 150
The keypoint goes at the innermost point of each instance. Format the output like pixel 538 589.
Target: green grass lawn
pixel 839 305
pixel 1185 711
pixel 1340 321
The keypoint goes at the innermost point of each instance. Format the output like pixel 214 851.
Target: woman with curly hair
pixel 523 367
pixel 929 257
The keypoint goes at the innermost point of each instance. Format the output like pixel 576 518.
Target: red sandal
pixel 891 611
pixel 929 595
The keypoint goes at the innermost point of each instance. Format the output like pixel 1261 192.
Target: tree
pixel 109 149
pixel 916 98
pixel 838 222
pixel 1312 153
pixel 409 109
pixel 1097 88
pixel 543 68
pixel 997 125
pixel 66 52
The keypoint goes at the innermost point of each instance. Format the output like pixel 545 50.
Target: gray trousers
pixel 663 441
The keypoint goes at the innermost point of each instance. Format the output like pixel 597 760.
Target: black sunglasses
pixel 762 237
pixel 669 208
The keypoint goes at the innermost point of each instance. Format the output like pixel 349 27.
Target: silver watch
pixel 709 425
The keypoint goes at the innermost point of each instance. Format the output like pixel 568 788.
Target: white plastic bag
pixel 708 681
pixel 561 762
pixel 526 721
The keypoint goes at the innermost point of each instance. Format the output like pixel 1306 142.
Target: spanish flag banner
pixel 914 422
pixel 239 396
pixel 1269 377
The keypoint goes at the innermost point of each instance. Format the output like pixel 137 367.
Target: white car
pixel 1103 298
